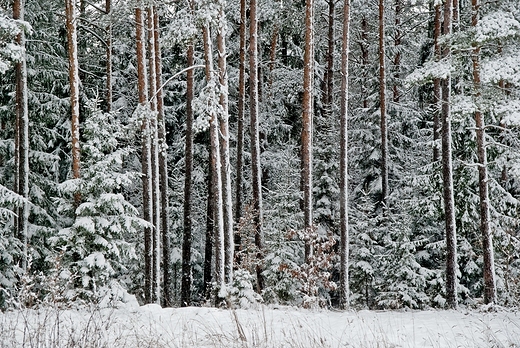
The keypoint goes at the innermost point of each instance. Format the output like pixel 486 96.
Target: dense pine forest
pixel 317 153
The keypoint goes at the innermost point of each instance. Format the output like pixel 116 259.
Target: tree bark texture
pixel 328 90
pixel 343 166
pixel 142 87
pixel 397 57
pixel 487 238
pixel 72 48
pixel 436 83
pixel 215 164
pixel 109 96
pixel 188 155
pixel 227 198
pixel 22 138
pixel 240 122
pixel 307 122
pixel 447 174
pixel 156 198
pixel 167 298
pixel 255 140
pixel 382 107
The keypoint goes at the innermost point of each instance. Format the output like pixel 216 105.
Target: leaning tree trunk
pixel 227 199
pixel 146 163
pixel 382 107
pixel 307 126
pixel 343 171
pixel 487 239
pixel 72 46
pixel 255 140
pixel 22 137
pixel 447 167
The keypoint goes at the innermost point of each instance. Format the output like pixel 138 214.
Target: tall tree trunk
pixel 307 123
pixel 210 232
pixel 187 238
pixel 436 83
pixel 163 169
pixel 72 46
pixel 272 55
pixel 156 198
pixel 22 136
pixel 328 77
pixel 227 198
pixel 255 140
pixel 382 108
pixel 487 239
pixel 447 167
pixel 397 47
pixel 215 165
pixel 240 122
pixel 343 166
pixel 142 87
pixel 108 10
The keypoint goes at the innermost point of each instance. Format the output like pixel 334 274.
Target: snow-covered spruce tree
pixel 98 246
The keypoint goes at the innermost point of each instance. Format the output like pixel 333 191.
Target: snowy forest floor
pixel 152 326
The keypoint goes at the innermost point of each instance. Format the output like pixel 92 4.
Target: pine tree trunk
pixel 156 198
pixel 436 83
pixel 240 123
pixel 487 239
pixel 447 167
pixel 187 238
pixel 227 198
pixel 22 136
pixel 397 57
pixel 343 187
pixel 109 97
pixel 307 123
pixel 215 166
pixel 146 155
pixel 255 140
pixel 210 232
pixel 382 107
pixel 163 170
pixel 328 76
pixel 72 47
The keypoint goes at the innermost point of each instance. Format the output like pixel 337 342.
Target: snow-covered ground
pixel 152 326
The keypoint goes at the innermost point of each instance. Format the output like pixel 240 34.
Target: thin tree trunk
pixel 397 57
pixel 272 55
pixel 343 187
pixel 142 87
pixel 227 198
pixel 382 108
pixel 22 136
pixel 108 10
pixel 447 167
pixel 187 238
pixel 487 239
pixel 163 169
pixel 329 71
pixel 72 45
pixel 240 122
pixel 255 140
pixel 307 123
pixel 436 83
pixel 210 232
pixel 156 198
pixel 215 165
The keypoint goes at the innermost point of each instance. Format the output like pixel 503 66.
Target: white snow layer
pixel 152 326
